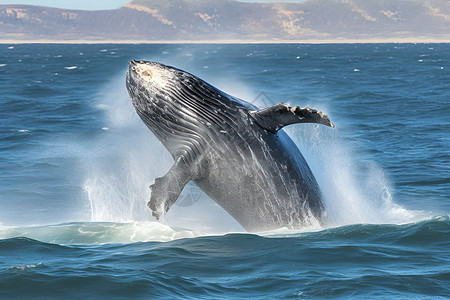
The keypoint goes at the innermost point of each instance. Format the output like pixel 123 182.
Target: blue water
pixel 76 163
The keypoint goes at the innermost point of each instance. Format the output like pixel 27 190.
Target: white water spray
pixel 116 175
pixel 354 190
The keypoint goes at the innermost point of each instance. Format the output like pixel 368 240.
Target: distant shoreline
pixel 306 41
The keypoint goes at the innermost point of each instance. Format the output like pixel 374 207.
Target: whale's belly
pixel 265 184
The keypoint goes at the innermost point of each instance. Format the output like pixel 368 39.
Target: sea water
pixel 76 163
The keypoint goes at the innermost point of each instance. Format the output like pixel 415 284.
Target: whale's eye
pixel 133 68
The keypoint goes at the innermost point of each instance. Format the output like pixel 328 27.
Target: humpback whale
pixel 237 154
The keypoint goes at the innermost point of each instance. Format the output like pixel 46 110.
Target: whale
pixel 236 153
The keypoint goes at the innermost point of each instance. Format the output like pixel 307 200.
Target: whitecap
pixel 105 128
pixel 356 70
pixel 12 47
pixel 103 50
pixel 23 130
pixel 24 267
pixel 2 65
pixel 70 68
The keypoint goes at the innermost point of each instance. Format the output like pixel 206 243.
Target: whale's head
pixel 164 92
pixel 154 83
pixel 150 83
pixel 171 101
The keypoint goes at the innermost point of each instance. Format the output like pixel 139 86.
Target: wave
pixel 435 229
pixel 89 233
pixel 364 261
pixel 429 231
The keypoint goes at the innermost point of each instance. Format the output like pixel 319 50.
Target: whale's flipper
pixel 166 189
pixel 275 117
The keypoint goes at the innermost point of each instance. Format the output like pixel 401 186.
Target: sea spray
pixel 121 162
pixel 355 190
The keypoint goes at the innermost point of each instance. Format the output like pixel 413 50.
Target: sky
pixel 92 4
pixel 71 4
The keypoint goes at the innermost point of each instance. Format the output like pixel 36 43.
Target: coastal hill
pixel 229 20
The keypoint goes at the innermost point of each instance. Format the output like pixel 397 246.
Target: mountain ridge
pixel 213 20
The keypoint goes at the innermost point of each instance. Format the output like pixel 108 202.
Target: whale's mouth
pixel 131 74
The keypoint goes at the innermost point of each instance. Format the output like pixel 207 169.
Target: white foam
pixel 71 68
pixel 24 267
pixel 99 233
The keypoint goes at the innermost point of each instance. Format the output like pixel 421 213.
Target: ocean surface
pixel 76 163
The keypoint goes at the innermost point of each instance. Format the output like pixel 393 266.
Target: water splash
pixel 355 190
pixel 121 162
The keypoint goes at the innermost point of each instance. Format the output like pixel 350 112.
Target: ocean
pixel 76 163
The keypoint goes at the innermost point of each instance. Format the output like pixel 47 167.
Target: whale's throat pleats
pixel 198 124
pixel 187 115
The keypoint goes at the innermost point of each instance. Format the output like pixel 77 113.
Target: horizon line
pixel 232 41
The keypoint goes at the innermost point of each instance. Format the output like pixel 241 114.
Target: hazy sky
pixel 74 4
pixel 92 4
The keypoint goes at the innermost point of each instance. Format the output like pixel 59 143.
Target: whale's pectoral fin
pixel 275 117
pixel 165 190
